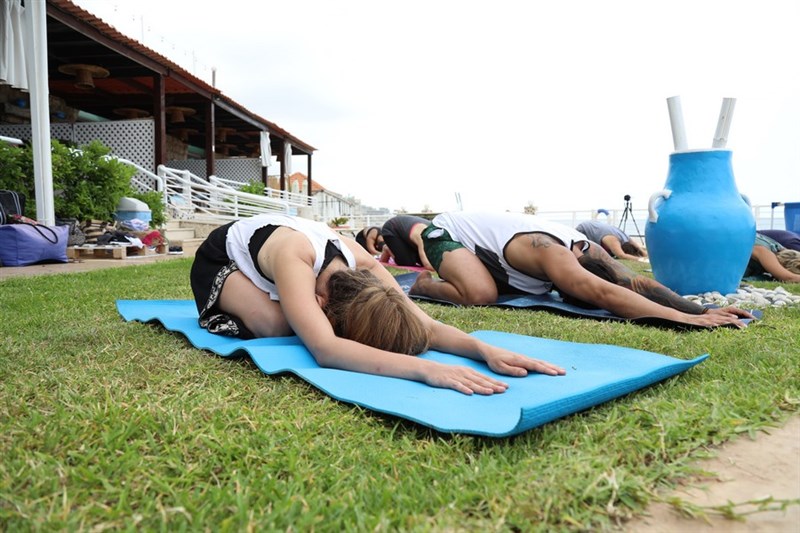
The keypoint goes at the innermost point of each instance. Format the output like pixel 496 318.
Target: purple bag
pixel 26 244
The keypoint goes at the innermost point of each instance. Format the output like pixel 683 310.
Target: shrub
pixel 16 174
pixel 90 184
pixel 338 221
pixel 86 183
pixel 253 187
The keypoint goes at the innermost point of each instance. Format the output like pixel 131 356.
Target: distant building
pixel 327 204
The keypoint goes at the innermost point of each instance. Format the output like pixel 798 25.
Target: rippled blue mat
pixel 552 302
pixel 596 373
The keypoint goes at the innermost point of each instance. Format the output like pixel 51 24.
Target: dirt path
pixel 746 470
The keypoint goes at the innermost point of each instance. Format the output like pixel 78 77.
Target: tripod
pixel 628 212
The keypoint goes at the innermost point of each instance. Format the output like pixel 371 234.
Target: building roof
pixel 301 178
pixel 76 36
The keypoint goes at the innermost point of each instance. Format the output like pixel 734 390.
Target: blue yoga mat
pixel 552 302
pixel 596 373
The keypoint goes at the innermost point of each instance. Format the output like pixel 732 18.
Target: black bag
pixel 11 203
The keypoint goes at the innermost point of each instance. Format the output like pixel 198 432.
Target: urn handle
pixel 651 204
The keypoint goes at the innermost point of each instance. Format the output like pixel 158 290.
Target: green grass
pixel 112 425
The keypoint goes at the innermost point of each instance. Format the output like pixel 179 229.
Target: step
pixel 179 234
pixel 190 246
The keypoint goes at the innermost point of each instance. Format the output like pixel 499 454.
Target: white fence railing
pixel 633 221
pixel 147 181
pixel 191 197
pixel 11 140
pixel 293 198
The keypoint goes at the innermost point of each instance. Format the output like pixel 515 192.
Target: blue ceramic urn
pixel 700 231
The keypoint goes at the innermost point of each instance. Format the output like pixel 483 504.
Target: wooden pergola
pixel 98 70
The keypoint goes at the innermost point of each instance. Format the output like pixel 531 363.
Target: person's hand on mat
pixel 730 311
pixel 514 364
pixel 722 316
pixel 462 379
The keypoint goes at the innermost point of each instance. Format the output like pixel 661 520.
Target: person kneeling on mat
pixel 481 255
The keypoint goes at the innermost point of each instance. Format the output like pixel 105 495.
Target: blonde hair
pixel 362 309
pixel 790 260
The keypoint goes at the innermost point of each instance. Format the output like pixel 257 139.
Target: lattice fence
pixel 241 170
pixel 128 139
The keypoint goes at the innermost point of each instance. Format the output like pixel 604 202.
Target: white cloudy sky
pixel 562 104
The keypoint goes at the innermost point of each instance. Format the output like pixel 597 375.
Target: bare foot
pixel 421 284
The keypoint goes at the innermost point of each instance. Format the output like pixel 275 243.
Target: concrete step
pixel 179 234
pixel 188 234
pixel 190 246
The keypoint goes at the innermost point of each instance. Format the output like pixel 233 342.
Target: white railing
pixel 190 197
pixel 634 220
pixel 11 140
pixel 215 200
pixel 293 198
pixel 148 182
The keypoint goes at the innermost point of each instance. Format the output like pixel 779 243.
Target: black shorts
pixel 210 269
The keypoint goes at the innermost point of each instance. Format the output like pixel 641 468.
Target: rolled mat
pixel 596 373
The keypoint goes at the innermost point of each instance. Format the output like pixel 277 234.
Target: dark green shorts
pixel 437 241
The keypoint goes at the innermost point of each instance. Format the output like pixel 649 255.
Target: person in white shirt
pixel 479 255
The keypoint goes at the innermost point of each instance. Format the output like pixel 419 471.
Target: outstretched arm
pixel 614 247
pixel 655 291
pixel 296 280
pixel 646 286
pixel 563 269
pixel 452 340
pixel 769 262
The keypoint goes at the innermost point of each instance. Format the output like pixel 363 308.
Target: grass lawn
pixel 112 425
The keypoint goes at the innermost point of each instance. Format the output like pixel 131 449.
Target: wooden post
pixel 309 180
pixel 211 167
pixel 159 120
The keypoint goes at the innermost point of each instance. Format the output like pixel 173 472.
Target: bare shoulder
pixel 285 247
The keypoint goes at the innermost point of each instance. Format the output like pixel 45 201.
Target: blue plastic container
pixel 124 216
pixel 131 208
pixel 791 214
pixel 700 232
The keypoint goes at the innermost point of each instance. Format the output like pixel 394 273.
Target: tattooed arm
pixel 559 264
pixel 597 261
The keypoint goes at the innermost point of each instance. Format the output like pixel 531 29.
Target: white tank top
pixel 493 231
pixel 318 234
